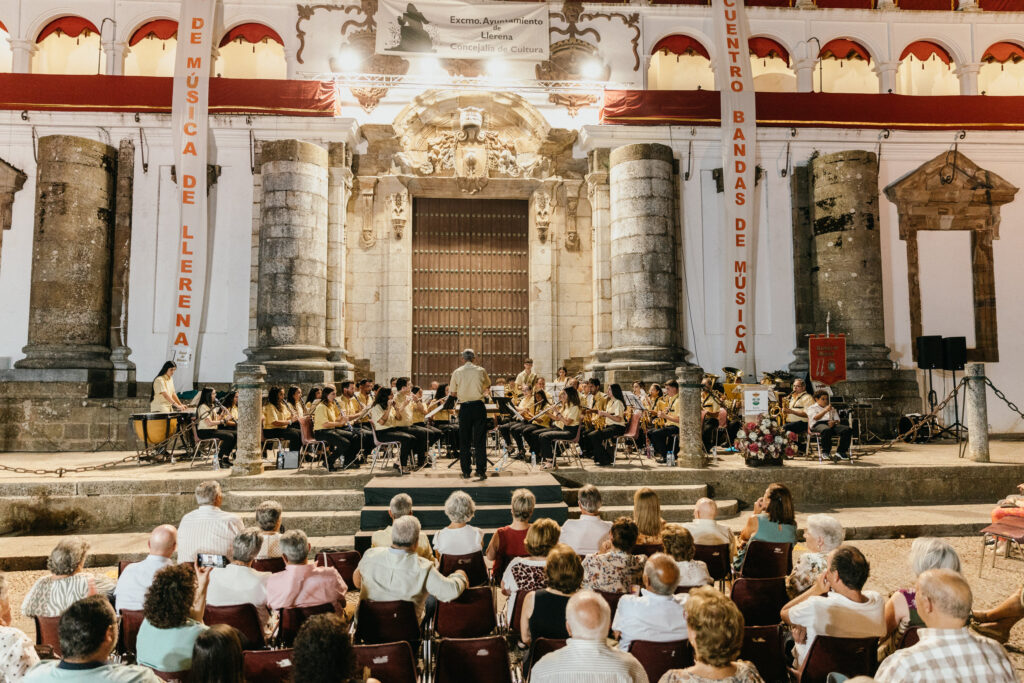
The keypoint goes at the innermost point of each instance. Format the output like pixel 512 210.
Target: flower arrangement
pixel 762 442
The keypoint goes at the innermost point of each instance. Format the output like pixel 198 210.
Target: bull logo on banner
pixel 828 358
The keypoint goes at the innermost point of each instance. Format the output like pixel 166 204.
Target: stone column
pixel 22 51
pixel 599 196
pixel 887 76
pixel 968 6
pixel 976 412
pixel 121 253
pixel 804 70
pixel 115 53
pixel 11 181
pixel 968 76
pixel 249 382
pixel 292 62
pixel 339 189
pixel 691 446
pixel 291 306
pixel 643 267
pixel 69 306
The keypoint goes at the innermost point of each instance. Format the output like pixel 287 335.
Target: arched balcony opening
pixel 680 62
pixel 151 49
pixel 844 66
pixel 68 45
pixel 1002 70
pixel 926 68
pixel 251 51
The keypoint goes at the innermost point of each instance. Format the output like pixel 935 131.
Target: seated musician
pixel 526 379
pixel 357 413
pixel 566 417
pixel 445 420
pixel 312 398
pixel 164 399
pixel 593 400
pixel 824 419
pixel 613 414
pixel 209 426
pixel 229 413
pixel 293 401
pixel 386 419
pixel 328 426
pixel 276 418
pixel 537 420
pixel 709 409
pixel 662 437
pixel 796 410
pixel 512 430
pixel 419 417
pixel 404 405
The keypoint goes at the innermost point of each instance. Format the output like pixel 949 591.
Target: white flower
pixel 766 423
pixel 741 434
pixel 779 440
pixel 764 430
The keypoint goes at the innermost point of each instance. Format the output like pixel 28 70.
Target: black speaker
pixel 954 353
pixel 929 352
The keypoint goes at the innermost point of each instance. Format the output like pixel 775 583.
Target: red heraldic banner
pixel 828 357
pixel 739 161
pixel 189 106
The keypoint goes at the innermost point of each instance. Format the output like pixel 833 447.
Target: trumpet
pixel 732 375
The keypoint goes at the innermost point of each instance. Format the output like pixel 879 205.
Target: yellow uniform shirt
pixel 526 378
pixel 709 404
pixel 324 413
pixel 615 407
pixel 470 383
pixel 297 410
pixel 377 412
pixel 272 414
pixel 801 402
pixel 159 404
pixel 672 408
pixel 350 406
pixel 311 406
pixel 571 414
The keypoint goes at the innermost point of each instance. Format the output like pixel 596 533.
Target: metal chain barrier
pixel 1002 397
pixel 920 423
pixel 61 471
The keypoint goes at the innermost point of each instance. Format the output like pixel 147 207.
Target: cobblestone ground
pixel 889 571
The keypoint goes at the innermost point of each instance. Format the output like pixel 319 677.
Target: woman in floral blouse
pixel 616 570
pixel 823 535
pixel 17 655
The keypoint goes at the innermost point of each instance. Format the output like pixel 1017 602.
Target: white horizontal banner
pixel 448 28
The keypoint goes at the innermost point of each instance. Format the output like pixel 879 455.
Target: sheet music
pixel 633 401
pixel 428 395
pixel 497 391
pixel 436 410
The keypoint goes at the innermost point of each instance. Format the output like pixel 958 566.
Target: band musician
pixel 614 425
pixel 667 421
pixel 709 409
pixel 824 420
pixel 796 409
pixel 526 379
pixel 470 384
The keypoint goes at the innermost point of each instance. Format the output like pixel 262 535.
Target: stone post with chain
pixel 976 412
pixel 249 382
pixel 691 447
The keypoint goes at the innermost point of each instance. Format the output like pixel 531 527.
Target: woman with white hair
pixel 67 583
pixel 824 534
pixel 925 554
pixel 459 538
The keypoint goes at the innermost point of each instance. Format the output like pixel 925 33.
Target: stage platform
pixel 908 491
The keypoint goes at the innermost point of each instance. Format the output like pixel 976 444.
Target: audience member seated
pixel 398 573
pixel 401 505
pixel 586 655
pixel 544 610
pixel 655 614
pixel 525 574
pixel 835 605
pixel 679 545
pixel 207 529
pixel 773 521
pixel 302 584
pixel 948 652
pixel 323 652
pixel 715 631
pixel 238 583
pixel 53 594
pixel 647 515
pixel 88 635
pixel 925 553
pixel 268 519
pixel 997 622
pixel 705 530
pixel 217 656
pixel 17 655
pixel 136 577
pixel 459 538
pixel 584 535
pixel 509 542
pixel 824 534
pixel 616 570
pixel 173 609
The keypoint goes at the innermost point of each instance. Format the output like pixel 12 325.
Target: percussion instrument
pixel 924 432
pixel 155 428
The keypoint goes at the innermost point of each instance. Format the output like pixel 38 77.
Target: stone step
pixel 670 513
pixel 433 488
pixel 316 522
pixel 433 517
pixel 295 501
pixel 303 479
pixel 674 494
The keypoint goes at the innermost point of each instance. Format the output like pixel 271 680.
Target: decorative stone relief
pixel 11 181
pixel 398 209
pixel 572 236
pixel 542 206
pixel 367 235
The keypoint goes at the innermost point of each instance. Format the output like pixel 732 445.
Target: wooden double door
pixel 470 286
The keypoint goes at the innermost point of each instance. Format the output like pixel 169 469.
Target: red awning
pixel 942 5
pixel 769 3
pixel 162 29
pixel 2 27
pixel 845 4
pixel 680 45
pixel 44 92
pixel 841 48
pixel 818 110
pixel 766 47
pixel 251 33
pixel 69 26
pixel 1001 5
pixel 680 2
pixel 923 50
pixel 1004 52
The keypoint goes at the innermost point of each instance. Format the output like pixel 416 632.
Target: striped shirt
pixel 587 661
pixel 207 529
pixel 948 655
pixel 51 595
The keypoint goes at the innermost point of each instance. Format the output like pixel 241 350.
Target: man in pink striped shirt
pixel 302 584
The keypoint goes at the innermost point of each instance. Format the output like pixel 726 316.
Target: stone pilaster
pixel 248 454
pixel 69 306
pixel 691 447
pixel 887 76
pixel 976 412
pixel 599 196
pixel 291 306
pixel 967 74
pixel 115 53
pixel 644 302
pixel 11 181
pixel 124 369
pixel 339 189
pixel 804 70
pixel 22 51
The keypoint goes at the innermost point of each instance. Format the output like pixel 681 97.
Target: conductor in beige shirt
pixel 470 384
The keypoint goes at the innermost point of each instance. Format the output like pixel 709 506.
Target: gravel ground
pixel 889 571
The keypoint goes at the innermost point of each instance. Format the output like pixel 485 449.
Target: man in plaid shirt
pixel 948 652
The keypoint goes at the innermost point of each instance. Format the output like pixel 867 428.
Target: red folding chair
pixel 762 647
pixel 345 561
pixel 131 620
pixel 760 600
pixel 473 564
pixel 632 434
pixel 471 615
pixel 538 648
pixel 387 662
pixel 565 447
pixel 269 564
pixel 312 448
pixel 515 622
pixel 46 633
pixel 386 622
pixel 473 659
pixel 848 656
pixel 657 658
pixel 246 620
pixel 764 560
pixel 716 557
pixel 292 618
pixel 612 599
pixel 910 638
pixel 121 564
pixel 267 666
pixel 648 549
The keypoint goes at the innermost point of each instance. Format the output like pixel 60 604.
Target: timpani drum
pixel 153 429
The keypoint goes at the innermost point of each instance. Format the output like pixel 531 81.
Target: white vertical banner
pixel 189 106
pixel 739 163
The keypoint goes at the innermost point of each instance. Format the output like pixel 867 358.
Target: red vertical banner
pixel 827 358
